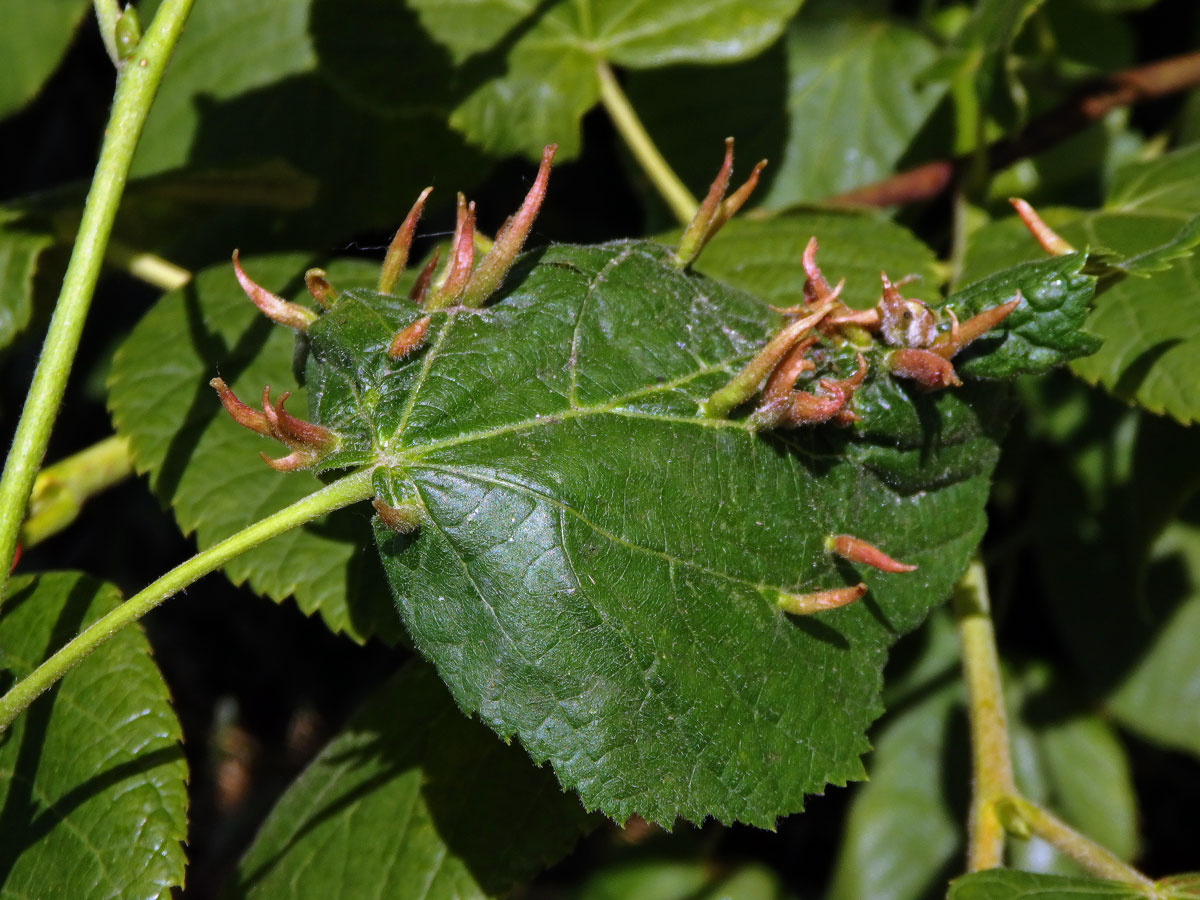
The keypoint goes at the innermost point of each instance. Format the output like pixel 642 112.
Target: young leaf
pixel 1011 884
pixel 33 40
pixel 547 54
pixel 255 80
pixel 1150 326
pixel 411 797
pixel 1045 331
pixel 93 803
pixel 211 475
pixel 670 879
pixel 596 568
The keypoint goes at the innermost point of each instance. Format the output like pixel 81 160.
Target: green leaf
pixel 1010 884
pixel 1150 326
pixel 1045 331
pixel 762 256
pixel 659 879
pixel 93 802
pixel 541 57
pixel 597 569
pixel 20 252
pixel 904 834
pixel 978 58
pixel 411 799
pixel 1116 484
pixel 33 40
pixel 283 80
pixel 854 104
pixel 846 82
pixel 1155 697
pixel 209 471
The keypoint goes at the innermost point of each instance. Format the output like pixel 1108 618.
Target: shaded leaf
pixel 34 38
pixel 209 471
pixel 1010 884
pixel 93 802
pixel 979 57
pixel 20 251
pixel 762 256
pixel 846 81
pixel 658 879
pixel 411 799
pixel 285 82
pixel 1112 486
pixel 596 569
pixel 543 56
pixel 904 837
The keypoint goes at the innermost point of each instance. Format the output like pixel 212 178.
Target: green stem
pixel 1087 853
pixel 633 132
pixel 107 13
pixel 343 492
pixel 60 490
pixel 137 83
pixel 990 756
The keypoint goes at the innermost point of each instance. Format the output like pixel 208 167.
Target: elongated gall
pixel 274 308
pixel 715 209
pixel 397 253
pixel 848 547
pixel 318 285
pixel 1043 233
pixel 511 237
pixel 819 601
pixel 927 369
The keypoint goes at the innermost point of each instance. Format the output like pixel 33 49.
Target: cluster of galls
pixel 460 283
pixel 919 345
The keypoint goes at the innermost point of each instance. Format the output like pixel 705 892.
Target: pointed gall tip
pixel 244 415
pixel 487 279
pixel 855 550
pixel 1043 233
pixel 274 308
pixel 962 334
pixel 318 285
pixel 735 201
pixel 707 219
pixel 819 601
pixel 397 252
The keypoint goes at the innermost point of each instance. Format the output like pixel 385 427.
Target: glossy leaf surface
pixel 93 798
pixel 411 799
pixel 596 567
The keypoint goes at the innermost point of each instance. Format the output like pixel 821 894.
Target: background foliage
pixel 300 131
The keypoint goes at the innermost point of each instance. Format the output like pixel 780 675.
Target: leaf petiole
pixel 346 490
pixel 634 133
